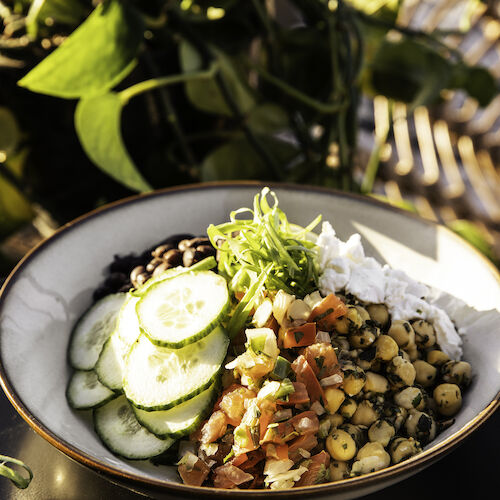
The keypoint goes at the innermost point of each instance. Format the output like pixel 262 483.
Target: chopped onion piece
pixel 317 408
pixel 323 338
pixel 331 380
pixel 304 453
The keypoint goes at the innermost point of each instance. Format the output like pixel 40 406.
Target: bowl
pixel 51 287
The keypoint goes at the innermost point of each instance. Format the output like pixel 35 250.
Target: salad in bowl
pixel 265 355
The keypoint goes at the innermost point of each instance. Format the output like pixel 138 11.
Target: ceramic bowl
pixel 53 285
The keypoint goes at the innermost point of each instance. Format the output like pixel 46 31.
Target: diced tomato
pixel 327 311
pixel 195 475
pixel 232 403
pixel 316 470
pixel 300 336
pixel 228 476
pixel 305 374
pixel 254 457
pixel 267 410
pixel 237 461
pixel 306 442
pixel 214 428
pixel 298 397
pixel 304 423
pixel 273 324
pixel 322 359
pixel 282 452
pixel 276 451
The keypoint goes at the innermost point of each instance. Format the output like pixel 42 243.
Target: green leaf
pixel 237 159
pixel 15 209
pixel 477 81
pixel 98 125
pixel 206 95
pixel 267 118
pixel 69 12
pixel 10 134
pixel 94 58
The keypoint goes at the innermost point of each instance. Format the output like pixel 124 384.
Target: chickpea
pixel 396 415
pixel 356 432
pixel 437 357
pixel 349 322
pixel 363 313
pixel 379 313
pixel 381 431
pixel 348 407
pixel 338 470
pixel 413 353
pixel 370 458
pixel 375 383
pixel 333 399
pixel 425 335
pixel 448 398
pixel 354 379
pixel 400 372
pixel 402 332
pixel 387 348
pixel 365 413
pixel 425 373
pixel 364 337
pixel 457 372
pixel 341 343
pixel 402 448
pixel 340 445
pixel 421 426
pixel 404 354
pixel 410 398
pixel 336 420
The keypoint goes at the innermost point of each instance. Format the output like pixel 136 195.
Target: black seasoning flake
pixel 298 336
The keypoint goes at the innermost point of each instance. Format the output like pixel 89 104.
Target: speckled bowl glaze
pixel 52 286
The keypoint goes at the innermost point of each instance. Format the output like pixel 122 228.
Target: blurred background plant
pixel 396 99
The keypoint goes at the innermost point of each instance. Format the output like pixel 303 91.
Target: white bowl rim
pixel 393 472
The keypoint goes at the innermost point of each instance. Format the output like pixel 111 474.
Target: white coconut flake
pixel 344 267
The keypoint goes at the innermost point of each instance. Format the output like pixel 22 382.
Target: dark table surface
pixel 471 470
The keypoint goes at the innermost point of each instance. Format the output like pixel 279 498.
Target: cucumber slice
pixel 92 330
pixel 119 430
pixel 179 311
pixel 109 366
pixel 203 265
pixel 157 378
pixel 181 420
pixel 84 391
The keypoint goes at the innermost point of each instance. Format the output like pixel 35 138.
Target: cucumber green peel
pixel 266 244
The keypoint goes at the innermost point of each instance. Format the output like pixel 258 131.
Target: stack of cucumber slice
pixel 147 362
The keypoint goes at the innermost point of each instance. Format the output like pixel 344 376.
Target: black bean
pixel 191 256
pixel 126 287
pixel 136 272
pixel 115 280
pixel 173 257
pixel 101 292
pixel 124 264
pixel 193 242
pixel 141 279
pixel 206 250
pixel 152 265
pixel 176 238
pixel 159 251
pixel 161 268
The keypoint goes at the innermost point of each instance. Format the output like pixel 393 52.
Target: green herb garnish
pixel 248 246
